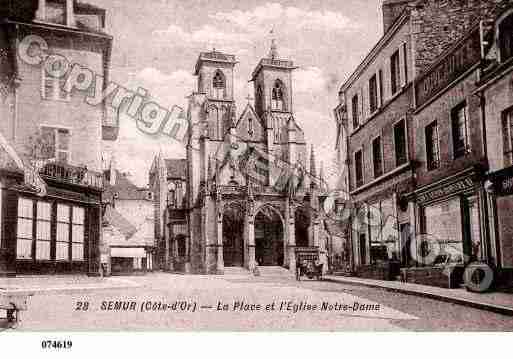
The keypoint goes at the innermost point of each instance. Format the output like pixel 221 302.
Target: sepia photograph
pixel 258 166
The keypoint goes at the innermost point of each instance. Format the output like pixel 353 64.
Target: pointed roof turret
pixel 313 170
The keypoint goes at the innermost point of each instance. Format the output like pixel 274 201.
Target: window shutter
pixel 506 141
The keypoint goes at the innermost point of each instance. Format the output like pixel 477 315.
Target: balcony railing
pixel 66 173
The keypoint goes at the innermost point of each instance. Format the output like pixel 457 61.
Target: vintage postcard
pixel 257 166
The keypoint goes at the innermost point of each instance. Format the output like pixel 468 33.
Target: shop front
pixel 57 232
pixel 499 187
pixel 450 218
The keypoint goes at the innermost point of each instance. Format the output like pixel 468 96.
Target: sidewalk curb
pixel 499 309
pixel 70 289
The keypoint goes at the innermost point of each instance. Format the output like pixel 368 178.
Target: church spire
pixel 273 52
pixel 313 170
pixel 209 171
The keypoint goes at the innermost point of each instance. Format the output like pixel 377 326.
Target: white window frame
pixel 56 87
pixel 55 134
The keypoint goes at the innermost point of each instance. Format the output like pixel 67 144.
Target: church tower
pixel 272 80
pixel 214 70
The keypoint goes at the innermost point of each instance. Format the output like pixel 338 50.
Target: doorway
pixel 269 250
pixel 233 235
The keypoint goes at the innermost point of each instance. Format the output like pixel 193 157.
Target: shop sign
pixel 501 182
pixel 446 191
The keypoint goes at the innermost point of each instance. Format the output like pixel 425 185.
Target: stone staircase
pixel 275 272
pixel 266 273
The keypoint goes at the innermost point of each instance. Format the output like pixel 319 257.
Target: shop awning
pixel 128 252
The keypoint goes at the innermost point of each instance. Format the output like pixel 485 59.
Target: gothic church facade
pixel 251 195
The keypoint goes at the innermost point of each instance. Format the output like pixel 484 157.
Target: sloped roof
pixel 125 189
pixel 116 219
pixel 176 168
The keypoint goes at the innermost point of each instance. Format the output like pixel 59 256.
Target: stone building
pixel 252 194
pixel 495 92
pixel 377 106
pixel 168 181
pixel 51 140
pixel 128 228
pixel 449 202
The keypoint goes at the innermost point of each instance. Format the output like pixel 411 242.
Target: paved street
pixel 158 293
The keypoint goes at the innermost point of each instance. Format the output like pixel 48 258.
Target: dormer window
pixel 506 38
pixel 219 85
pixel 277 102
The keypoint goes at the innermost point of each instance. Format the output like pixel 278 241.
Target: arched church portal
pixel 269 247
pixel 233 235
pixel 302 222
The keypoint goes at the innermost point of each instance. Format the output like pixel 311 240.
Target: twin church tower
pixel 235 219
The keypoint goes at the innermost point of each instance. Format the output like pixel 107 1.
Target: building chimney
pixel 41 10
pixel 70 13
pixel 392 9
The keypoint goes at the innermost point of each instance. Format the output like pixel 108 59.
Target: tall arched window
pixel 277 102
pixel 219 85
pixel 259 101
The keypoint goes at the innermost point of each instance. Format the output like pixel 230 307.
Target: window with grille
pixel 278 96
pixel 373 94
pixel 432 146
pixel 401 156
pixel 460 137
pixel 219 85
pixel 58 141
pixel 395 72
pixel 358 165
pixel 377 157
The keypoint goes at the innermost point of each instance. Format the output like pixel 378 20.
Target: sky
pixel 157 43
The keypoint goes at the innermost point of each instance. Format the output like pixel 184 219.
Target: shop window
pixel 355 108
pixel 443 225
pixel 77 234
pixel 432 146
pixel 459 121
pixel 395 72
pixel 401 156
pixel 43 225
pixel 219 85
pixel 35 220
pixel 25 228
pixel 63 233
pixel 363 248
pixel 377 157
pixel 58 143
pixel 507 131
pixel 358 164
pixel 506 38
pixel 373 94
